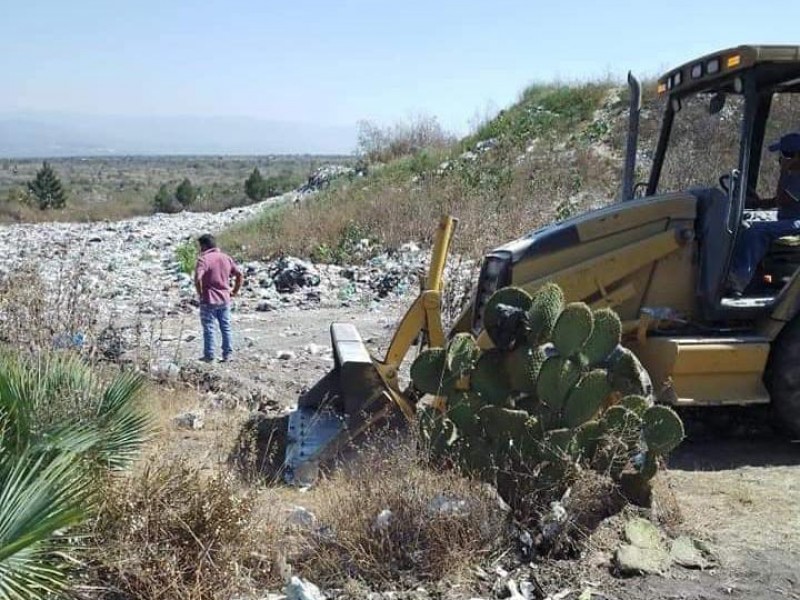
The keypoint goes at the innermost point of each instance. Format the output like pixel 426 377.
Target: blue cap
pixel 789 143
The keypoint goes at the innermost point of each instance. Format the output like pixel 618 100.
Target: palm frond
pixel 39 499
pixel 121 421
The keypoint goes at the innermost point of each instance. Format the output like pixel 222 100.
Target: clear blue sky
pixel 333 62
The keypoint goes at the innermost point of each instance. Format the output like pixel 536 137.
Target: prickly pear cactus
pixel 556 394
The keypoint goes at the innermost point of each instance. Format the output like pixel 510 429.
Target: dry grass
pixel 171 532
pixel 437 525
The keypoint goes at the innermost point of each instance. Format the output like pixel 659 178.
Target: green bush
pixel 187 254
pixel 186 193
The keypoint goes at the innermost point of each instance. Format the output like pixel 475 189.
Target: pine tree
pixel 47 188
pixel 256 186
pixel 186 193
pixel 163 202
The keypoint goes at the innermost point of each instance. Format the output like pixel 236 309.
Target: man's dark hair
pixel 207 241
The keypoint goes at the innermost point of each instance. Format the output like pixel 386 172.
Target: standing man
pixel 212 277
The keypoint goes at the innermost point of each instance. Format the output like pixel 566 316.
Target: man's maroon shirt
pixel 214 270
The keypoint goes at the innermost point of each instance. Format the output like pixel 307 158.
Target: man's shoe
pixel 206 359
pixel 226 359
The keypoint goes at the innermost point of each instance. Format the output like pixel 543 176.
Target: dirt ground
pixel 736 487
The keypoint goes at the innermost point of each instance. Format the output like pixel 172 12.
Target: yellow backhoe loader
pixel 659 257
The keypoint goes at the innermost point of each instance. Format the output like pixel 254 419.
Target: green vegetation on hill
pixel 543 158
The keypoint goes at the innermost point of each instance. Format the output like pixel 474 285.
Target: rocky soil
pixel 742 494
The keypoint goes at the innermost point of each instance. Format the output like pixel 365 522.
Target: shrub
pixel 556 395
pixel 47 188
pixel 186 254
pixel 186 193
pixel 255 186
pixel 381 144
pixel 37 314
pixel 164 201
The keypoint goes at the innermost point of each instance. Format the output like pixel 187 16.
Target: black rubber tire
pixel 782 378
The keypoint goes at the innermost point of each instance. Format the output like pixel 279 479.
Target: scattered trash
pixel 383 520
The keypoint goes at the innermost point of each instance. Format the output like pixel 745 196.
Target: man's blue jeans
pixel 209 314
pixel 752 245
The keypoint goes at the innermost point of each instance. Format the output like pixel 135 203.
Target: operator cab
pixel 741 100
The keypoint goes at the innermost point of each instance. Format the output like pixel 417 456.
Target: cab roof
pixel 710 71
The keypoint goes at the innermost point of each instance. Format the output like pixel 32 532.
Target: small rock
pixel 285 355
pixel 301 517
pixel 190 420
pixel 315 349
pixel 302 589
pixel 265 306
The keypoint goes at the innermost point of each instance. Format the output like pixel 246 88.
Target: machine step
pixel 697 371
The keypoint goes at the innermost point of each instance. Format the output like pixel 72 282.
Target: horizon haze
pixel 250 77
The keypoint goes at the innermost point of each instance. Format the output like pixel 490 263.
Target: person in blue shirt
pixel 755 238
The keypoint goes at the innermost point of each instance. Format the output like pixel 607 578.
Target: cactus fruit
pixel 490 380
pixel 523 365
pixel 573 328
pixel 606 336
pixel 462 353
pixel 662 429
pixel 547 304
pixel 586 398
pixel 429 372
pixel 505 316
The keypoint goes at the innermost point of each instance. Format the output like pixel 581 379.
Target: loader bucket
pixel 333 415
pixel 359 393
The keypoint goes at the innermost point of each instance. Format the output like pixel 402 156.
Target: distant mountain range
pixel 61 134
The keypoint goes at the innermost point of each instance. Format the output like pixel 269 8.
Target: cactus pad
pixel 573 328
pixel 606 335
pixel 490 380
pixel 637 404
pixel 462 353
pixel 627 375
pixel 662 429
pixel 547 304
pixel 523 365
pixel 586 398
pixel 429 372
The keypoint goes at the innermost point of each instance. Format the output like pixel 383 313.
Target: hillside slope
pixel 554 153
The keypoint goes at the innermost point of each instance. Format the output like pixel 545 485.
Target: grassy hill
pixel 556 152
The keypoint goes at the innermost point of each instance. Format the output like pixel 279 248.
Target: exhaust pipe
pixel 629 173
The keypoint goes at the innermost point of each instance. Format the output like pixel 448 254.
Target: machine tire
pixel 782 378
